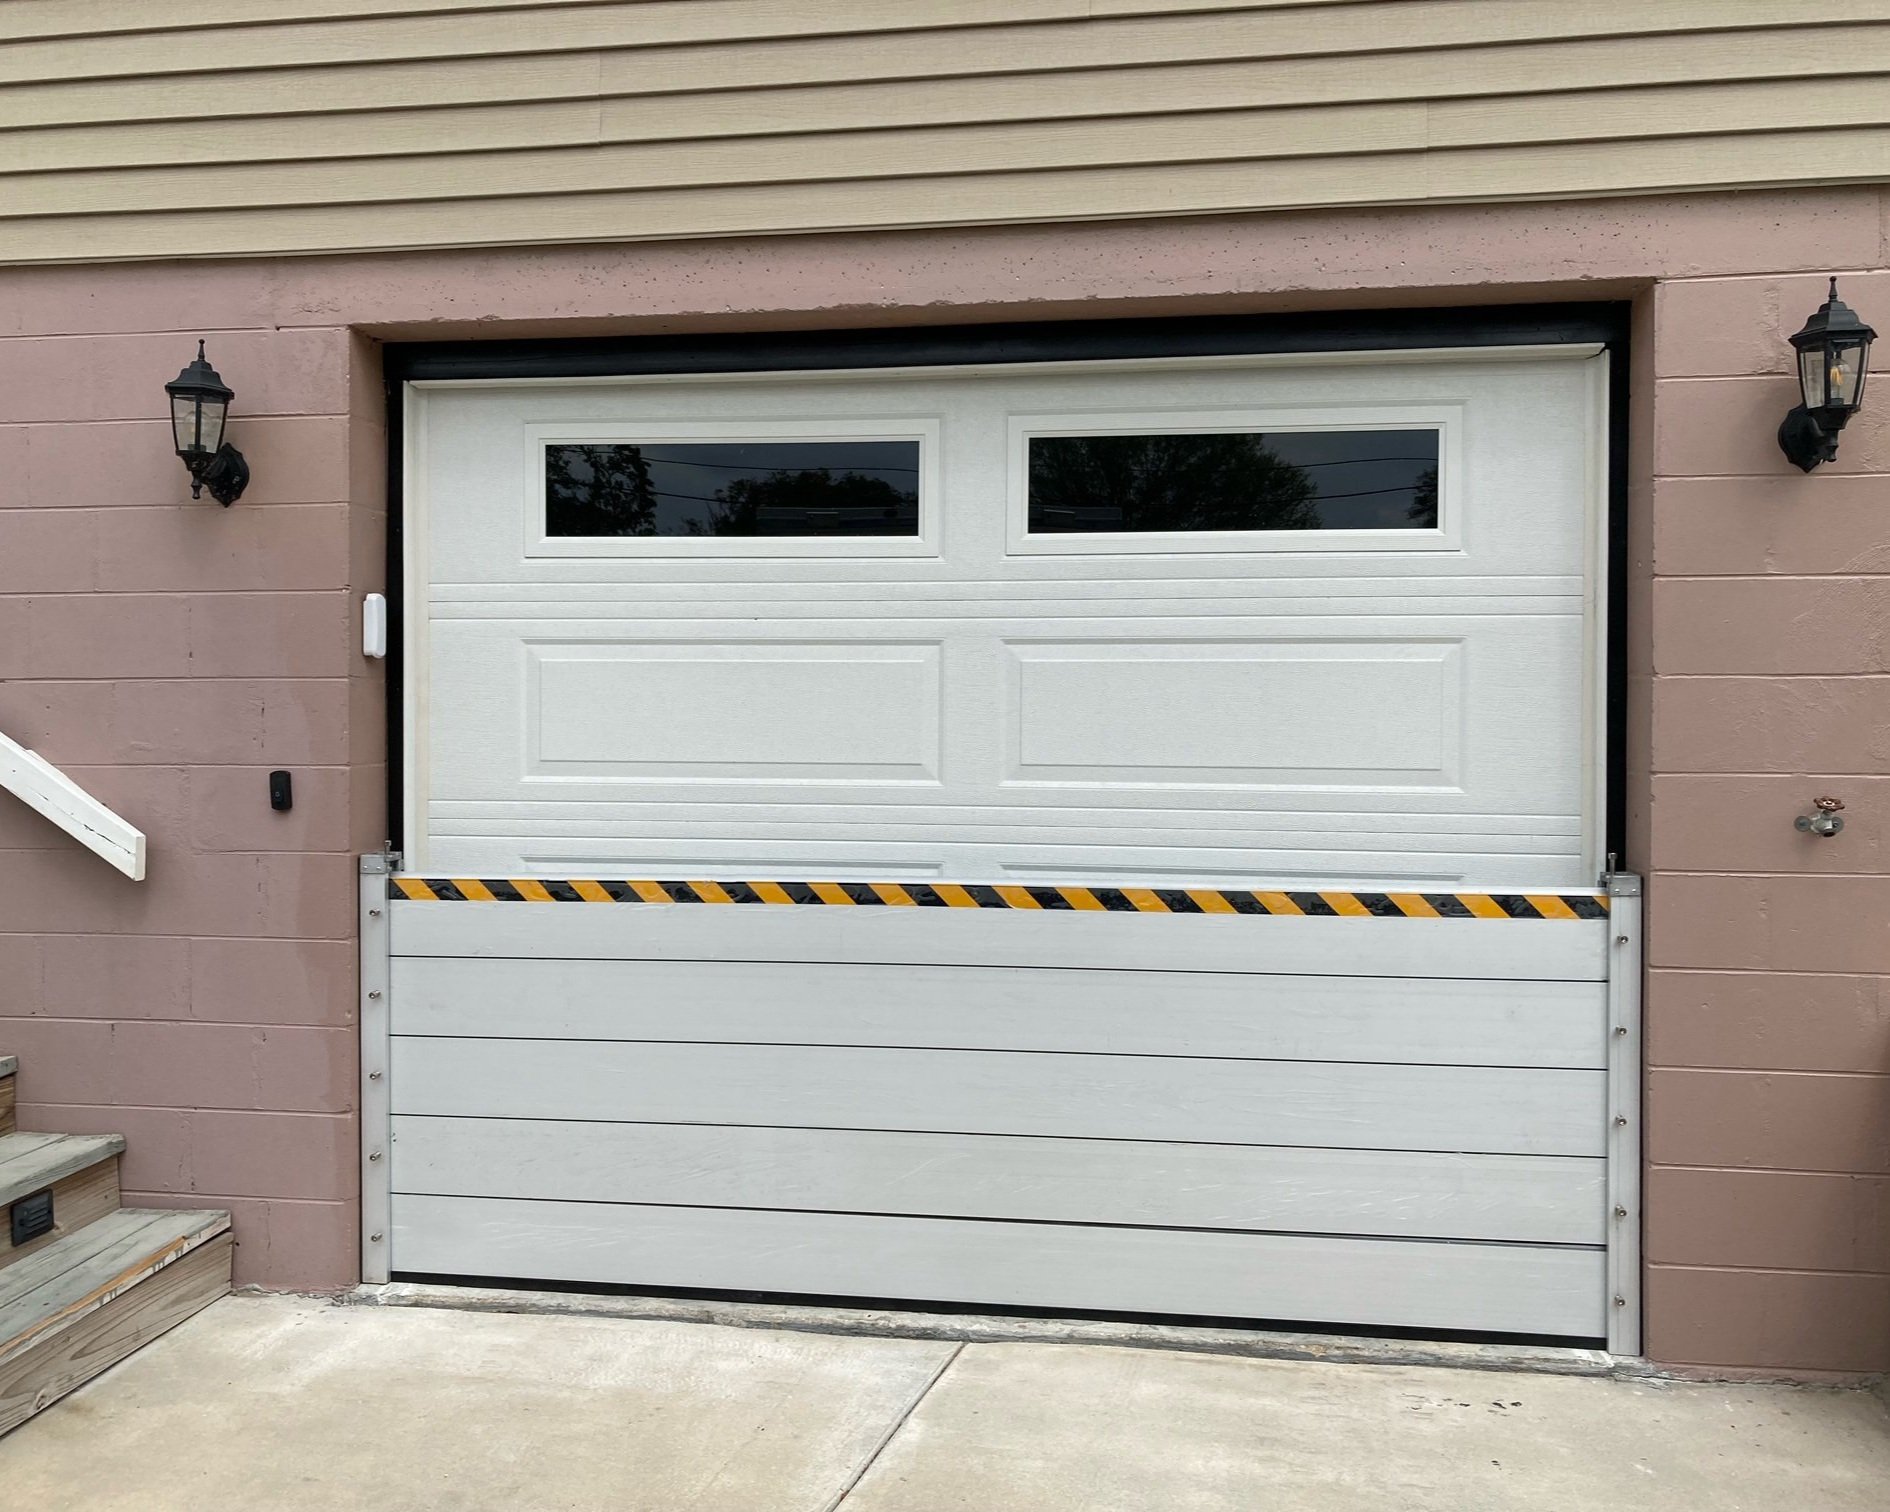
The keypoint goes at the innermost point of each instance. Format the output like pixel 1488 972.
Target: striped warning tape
pixel 1188 900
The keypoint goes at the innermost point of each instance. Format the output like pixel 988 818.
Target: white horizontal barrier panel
pixel 1526 950
pixel 1401 1283
pixel 46 790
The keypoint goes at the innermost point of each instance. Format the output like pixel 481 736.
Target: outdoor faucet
pixel 1825 823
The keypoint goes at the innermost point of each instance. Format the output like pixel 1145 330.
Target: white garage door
pixel 1324 624
pixel 874 733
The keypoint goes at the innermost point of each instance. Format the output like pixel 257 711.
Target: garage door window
pixel 707 487
pixel 1371 478
pixel 732 489
pixel 1234 480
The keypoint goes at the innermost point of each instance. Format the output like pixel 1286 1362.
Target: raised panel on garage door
pixel 1315 623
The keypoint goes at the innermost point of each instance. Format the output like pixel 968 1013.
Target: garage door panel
pixel 1515 1198
pixel 1525 426
pixel 1422 721
pixel 824 834
pixel 1202 1014
pixel 1067 842
pixel 1071 858
pixel 1308 819
pixel 1491 1110
pixel 844 851
pixel 1482 949
pixel 1505 1288
pixel 680 596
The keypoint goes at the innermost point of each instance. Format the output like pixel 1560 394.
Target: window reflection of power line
pixel 1329 462
pixel 1348 461
pixel 756 467
pixel 1365 493
pixel 670 493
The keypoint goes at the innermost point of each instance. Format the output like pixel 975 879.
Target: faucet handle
pixel 1825 823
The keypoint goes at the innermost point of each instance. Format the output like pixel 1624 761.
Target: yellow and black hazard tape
pixel 1180 900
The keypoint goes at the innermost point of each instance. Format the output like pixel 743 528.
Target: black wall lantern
pixel 200 406
pixel 1833 357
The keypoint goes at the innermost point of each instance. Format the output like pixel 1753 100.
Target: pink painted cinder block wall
pixel 1768 1008
pixel 171 653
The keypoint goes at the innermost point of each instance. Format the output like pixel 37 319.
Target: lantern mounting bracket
pixel 1805 443
pixel 225 473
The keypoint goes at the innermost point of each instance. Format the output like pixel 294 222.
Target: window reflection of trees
pixel 598 491
pixel 610 491
pixel 1166 482
pixel 1423 510
pixel 810 501
pixel 1184 482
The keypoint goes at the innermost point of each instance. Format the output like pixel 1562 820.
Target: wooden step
pixel 8 1065
pixel 80 1170
pixel 83 1304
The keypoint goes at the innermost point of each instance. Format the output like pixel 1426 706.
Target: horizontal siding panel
pixel 1253 135
pixel 81 18
pixel 1499 1288
pixel 1250 31
pixel 1468 1109
pixel 75 18
pixel 586 121
pixel 1754 160
pixel 302 91
pixel 999 73
pixel 445 130
pixel 1718 109
pixel 1393 1020
pixel 1510 1198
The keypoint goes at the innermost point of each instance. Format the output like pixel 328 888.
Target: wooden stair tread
pixel 58 1286
pixel 30 1163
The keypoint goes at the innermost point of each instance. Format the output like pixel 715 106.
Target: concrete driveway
pixel 281 1404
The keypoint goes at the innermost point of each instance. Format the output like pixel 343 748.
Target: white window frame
pixel 1446 420
pixel 541 436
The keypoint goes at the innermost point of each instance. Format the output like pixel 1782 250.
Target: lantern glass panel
pixel 1812 369
pixel 1844 372
pixel 187 423
pixel 215 412
pixel 197 423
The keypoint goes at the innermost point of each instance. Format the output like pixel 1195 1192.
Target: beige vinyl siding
pixel 355 124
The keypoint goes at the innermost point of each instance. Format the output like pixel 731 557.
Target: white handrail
pixel 46 790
